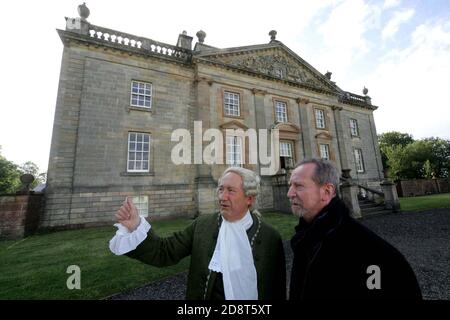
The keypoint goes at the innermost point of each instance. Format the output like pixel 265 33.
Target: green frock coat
pixel 199 240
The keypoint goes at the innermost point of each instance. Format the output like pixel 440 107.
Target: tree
pixel 440 160
pixel 424 158
pixel 9 176
pixel 391 139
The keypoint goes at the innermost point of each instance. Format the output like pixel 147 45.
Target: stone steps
pixel 369 208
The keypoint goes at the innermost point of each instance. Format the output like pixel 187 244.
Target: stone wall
pixel 420 187
pixel 280 189
pixel 19 215
pixel 98 207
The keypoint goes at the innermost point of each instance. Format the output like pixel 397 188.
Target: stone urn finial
pixel 328 75
pixel 273 35
pixel 346 173
pixel 83 11
pixel 26 179
pixel 365 91
pixel 201 36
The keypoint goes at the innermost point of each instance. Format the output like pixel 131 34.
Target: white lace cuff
pixel 125 241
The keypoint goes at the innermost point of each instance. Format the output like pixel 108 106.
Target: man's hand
pixel 128 215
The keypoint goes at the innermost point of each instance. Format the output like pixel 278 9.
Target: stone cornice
pixel 132 45
pixel 68 37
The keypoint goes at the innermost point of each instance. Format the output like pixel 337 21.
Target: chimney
pixel 184 41
pixel 79 25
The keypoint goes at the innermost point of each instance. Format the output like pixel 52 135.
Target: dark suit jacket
pixel 332 256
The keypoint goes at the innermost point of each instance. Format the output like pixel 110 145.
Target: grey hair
pixel 325 172
pixel 250 180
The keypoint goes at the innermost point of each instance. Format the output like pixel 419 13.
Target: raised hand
pixel 128 215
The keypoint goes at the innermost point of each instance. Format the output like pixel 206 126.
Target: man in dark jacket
pixel 336 257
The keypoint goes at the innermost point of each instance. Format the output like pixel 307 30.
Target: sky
pixel 398 49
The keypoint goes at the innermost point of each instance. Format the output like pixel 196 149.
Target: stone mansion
pixel 121 96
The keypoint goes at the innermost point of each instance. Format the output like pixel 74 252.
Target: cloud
pixel 388 4
pixel 393 25
pixel 411 85
pixel 343 35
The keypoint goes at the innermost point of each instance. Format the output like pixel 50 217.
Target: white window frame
pixel 354 131
pixel 234 151
pixel 141 203
pixel 141 94
pixel 281 111
pixel 359 161
pixel 324 151
pixel 286 151
pixel 231 103
pixel 320 118
pixel 136 151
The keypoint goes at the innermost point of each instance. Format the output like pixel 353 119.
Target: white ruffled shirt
pixel 125 241
pixel 232 256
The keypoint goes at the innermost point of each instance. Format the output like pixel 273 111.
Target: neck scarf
pixel 234 259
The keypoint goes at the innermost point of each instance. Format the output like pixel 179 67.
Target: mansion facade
pixel 121 97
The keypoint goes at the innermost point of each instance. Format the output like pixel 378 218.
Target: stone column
pixel 391 201
pixel 265 199
pixel 260 117
pixel 206 186
pixel 376 147
pixel 304 125
pixel 349 194
pixel 339 127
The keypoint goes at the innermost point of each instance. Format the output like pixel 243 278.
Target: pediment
pixel 276 61
pixel 233 124
pixel 324 135
pixel 287 127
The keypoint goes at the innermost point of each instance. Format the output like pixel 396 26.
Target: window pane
pixel 141 94
pixel 139 147
pixel 231 103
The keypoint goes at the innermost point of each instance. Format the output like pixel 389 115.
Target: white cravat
pixel 234 259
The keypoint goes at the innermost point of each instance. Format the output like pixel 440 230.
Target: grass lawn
pixel 425 202
pixel 35 267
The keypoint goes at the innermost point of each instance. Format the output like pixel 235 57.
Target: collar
pixel 323 225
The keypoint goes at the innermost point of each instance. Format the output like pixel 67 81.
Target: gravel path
pixel 423 238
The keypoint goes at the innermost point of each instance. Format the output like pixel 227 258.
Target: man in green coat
pixel 234 254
